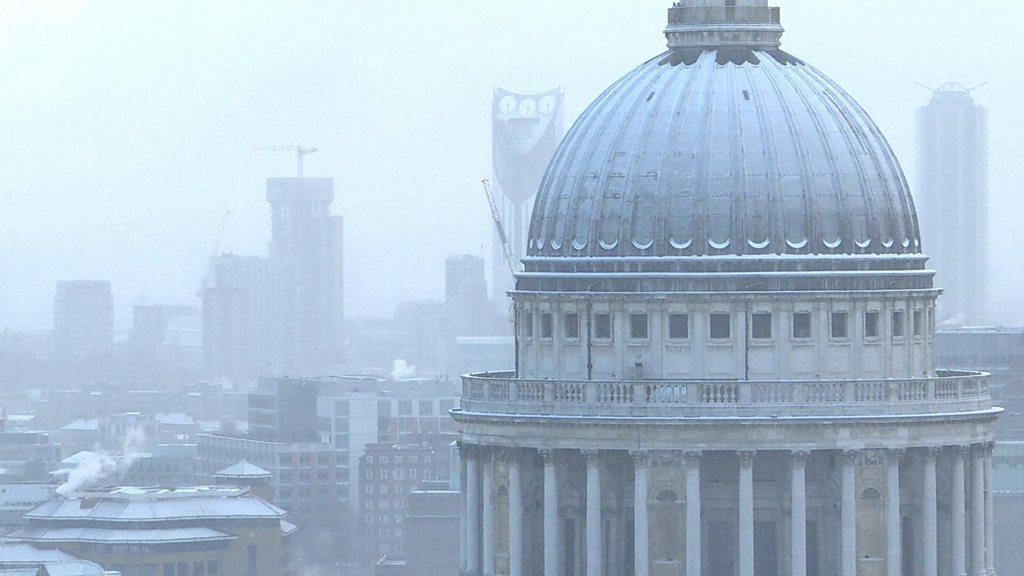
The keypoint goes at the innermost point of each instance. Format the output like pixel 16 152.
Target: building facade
pixel 725 341
pixel 952 148
pixel 83 319
pixel 390 473
pixel 203 531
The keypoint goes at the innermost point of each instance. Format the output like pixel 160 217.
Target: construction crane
pixel 510 259
pixel 300 152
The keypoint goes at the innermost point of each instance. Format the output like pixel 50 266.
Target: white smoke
pixel 100 465
pixel 401 370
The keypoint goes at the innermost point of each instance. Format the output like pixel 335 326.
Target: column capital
pixel 641 458
pixel 799 457
pixel 506 455
pixel 666 457
pixel 931 452
pixel 548 455
pixel 593 457
pixel 692 456
pixel 983 449
pixel 851 456
pixel 961 451
pixel 894 455
pixel 746 457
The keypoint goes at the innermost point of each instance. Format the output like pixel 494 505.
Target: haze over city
pixel 516 288
pixel 128 128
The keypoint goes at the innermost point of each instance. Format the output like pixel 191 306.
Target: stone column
pixel 893 534
pixel 849 514
pixel 464 516
pixel 487 545
pixel 929 515
pixel 990 547
pixel 977 512
pixel 550 514
pixel 515 517
pixel 641 550
pixel 959 515
pixel 473 511
pixel 693 524
pixel 746 506
pixel 595 540
pixel 798 519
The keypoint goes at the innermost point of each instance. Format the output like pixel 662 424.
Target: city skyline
pixel 386 209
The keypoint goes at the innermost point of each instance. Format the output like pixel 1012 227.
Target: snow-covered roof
pixel 243 469
pixel 79 457
pixel 107 536
pixel 176 419
pixel 83 425
pixel 131 504
pixel 57 563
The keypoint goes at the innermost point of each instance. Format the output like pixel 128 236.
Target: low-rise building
pixel 16 558
pixel 18 498
pixel 201 531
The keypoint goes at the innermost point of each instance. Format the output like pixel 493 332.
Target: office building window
pixel 546 328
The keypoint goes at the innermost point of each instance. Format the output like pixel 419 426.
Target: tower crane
pixel 510 259
pixel 300 152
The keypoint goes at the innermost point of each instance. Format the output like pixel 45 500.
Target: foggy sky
pixel 127 127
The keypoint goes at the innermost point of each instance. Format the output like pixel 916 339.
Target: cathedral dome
pixel 724 145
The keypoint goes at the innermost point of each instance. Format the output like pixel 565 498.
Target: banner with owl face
pixel 527 130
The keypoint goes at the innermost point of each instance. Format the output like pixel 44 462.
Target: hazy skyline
pixel 127 128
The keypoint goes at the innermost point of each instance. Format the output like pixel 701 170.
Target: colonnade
pixel 970 534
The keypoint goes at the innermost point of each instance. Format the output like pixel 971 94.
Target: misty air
pixel 522 288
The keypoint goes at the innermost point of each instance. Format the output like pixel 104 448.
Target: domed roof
pixel 724 145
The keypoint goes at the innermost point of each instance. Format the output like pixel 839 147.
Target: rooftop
pixel 134 504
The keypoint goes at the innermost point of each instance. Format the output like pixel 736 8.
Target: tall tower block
pixel 952 149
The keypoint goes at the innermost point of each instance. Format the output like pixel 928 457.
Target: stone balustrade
pixel 948 392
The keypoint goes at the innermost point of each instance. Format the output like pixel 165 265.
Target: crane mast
pixel 510 259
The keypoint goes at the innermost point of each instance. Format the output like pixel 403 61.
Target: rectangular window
pixel 546 328
pixel 898 329
pixel 678 326
pixel 638 326
pixel 528 324
pixel 721 326
pixel 918 323
pixel 213 566
pixel 801 325
pixel 871 325
pixel 761 325
pixel 168 569
pixel 840 325
pixel 603 326
pixel 571 326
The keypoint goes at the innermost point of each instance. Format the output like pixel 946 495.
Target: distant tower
pixel 83 319
pixel 527 130
pixel 952 148
pixel 307 237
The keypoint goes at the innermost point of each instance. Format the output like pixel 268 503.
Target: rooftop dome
pixel 724 145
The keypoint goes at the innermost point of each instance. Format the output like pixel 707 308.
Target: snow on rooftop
pixel 108 536
pixel 243 469
pixel 133 504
